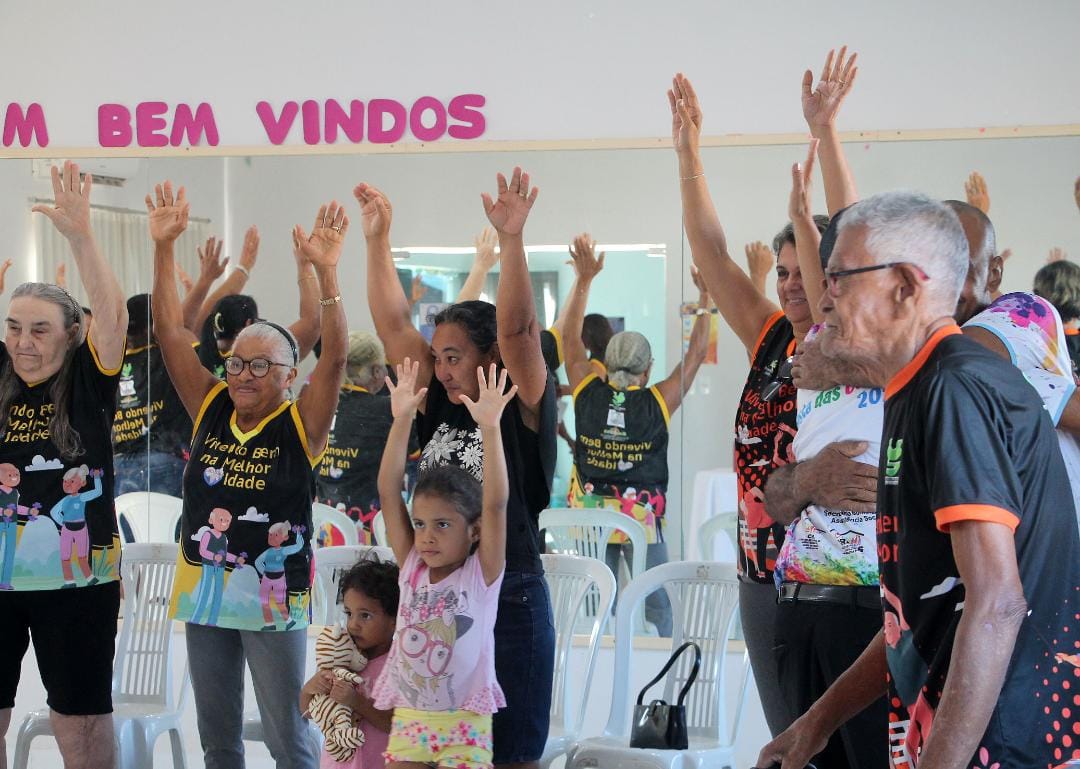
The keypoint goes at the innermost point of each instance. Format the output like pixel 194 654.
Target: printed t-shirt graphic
pixel 763 434
pixel 449 435
pixel 967 438
pixel 620 456
pixel 245 538
pixel 57 520
pixel 834 547
pixel 149 414
pixel 443 657
pixel 1031 330
pixel 348 475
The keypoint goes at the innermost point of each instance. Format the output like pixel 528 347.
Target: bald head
pixel 984 273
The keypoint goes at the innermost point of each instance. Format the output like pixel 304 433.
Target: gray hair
pixel 64 436
pixel 77 472
pixel 280 339
pixel 365 352
pixel 628 356
pixel 1059 284
pixel 910 227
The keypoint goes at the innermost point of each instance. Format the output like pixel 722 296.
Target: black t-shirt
pixel 265 479
pixel 763 434
pixel 349 471
pixel 449 435
pixel 967 438
pixel 1072 341
pixel 620 456
pixel 61 505
pixel 146 403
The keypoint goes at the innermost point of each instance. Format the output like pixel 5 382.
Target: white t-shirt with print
pixel 834 547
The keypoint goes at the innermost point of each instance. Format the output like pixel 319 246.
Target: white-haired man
pixel 976 536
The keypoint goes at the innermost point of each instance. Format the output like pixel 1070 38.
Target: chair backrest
pixel 378 528
pixel 573 580
pixel 330 563
pixel 324 515
pixel 586 531
pixel 704 598
pixel 161 511
pixel 713 541
pixel 142 669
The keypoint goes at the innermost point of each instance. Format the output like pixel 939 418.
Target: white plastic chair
pixel 324 515
pixel 162 511
pixel 704 598
pixel 586 531
pixel 714 547
pixel 330 563
pixel 378 528
pixel 570 580
pixel 142 689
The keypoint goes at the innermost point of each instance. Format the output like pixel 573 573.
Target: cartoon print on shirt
pixel 215 555
pixel 70 515
pixel 271 567
pixel 10 509
pixel 909 672
pixel 434 622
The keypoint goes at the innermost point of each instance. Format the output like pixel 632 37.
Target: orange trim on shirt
pixel 772 321
pixel 898 382
pixel 989 513
pixel 1072 332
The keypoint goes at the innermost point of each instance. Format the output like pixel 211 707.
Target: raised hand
pixel 487 409
pixel 977 194
pixel 417 289
pixel 250 251
pixel 820 105
pixel 508 212
pixel 699 284
pixel 1057 254
pixel 323 246
pixel 168 214
pixel 376 213
pixel 799 203
pixel 585 263
pixel 211 265
pixel 184 278
pixel 486 255
pixel 60 278
pixel 404 398
pixel 760 261
pixel 71 212
pixel 3 273
pixel 685 115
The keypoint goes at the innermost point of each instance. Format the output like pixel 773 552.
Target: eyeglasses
pixel 783 376
pixel 416 642
pixel 260 367
pixel 832 277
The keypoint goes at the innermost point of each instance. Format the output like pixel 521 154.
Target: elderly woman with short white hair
pixel 254 453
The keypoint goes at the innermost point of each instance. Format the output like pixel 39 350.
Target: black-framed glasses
pixel 783 376
pixel 832 277
pixel 259 367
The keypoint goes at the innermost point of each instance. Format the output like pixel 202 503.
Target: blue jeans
pixel 7 533
pixel 210 589
pixel 276 661
pixel 153 471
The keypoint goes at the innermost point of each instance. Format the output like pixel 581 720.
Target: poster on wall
pixel 689 313
pixel 428 312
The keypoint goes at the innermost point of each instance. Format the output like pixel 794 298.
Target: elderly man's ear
pixel 995 274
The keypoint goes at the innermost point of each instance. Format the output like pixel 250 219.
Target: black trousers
pixel 814 644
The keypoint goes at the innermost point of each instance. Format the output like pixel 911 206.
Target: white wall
pixel 568 70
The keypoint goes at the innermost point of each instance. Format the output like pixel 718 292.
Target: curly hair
pixel 376 579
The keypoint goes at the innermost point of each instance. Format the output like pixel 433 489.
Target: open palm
pixel 686 115
pixel 168 214
pixel 71 212
pixel 404 398
pixel 323 246
pixel 488 407
pixel 510 209
pixel 821 104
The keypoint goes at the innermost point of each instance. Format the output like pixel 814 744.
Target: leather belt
pixel 863 596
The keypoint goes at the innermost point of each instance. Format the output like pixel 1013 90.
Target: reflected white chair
pixel 330 563
pixel 324 515
pixel 713 546
pixel 161 512
pixel 704 599
pixel 378 528
pixel 586 531
pixel 142 690
pixel 570 580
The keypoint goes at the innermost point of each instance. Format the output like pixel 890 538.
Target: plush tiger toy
pixel 335 651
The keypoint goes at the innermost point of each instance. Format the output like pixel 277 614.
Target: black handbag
pixel 658 724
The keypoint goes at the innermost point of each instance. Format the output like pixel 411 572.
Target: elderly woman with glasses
pixel 248 491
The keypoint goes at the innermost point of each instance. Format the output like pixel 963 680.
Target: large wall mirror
pixel 627 199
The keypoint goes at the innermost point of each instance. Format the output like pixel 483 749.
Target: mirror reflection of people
pixel 469 335
pixel 348 475
pixel 624 411
pixel 254 454
pixel 58 383
pixel 151 429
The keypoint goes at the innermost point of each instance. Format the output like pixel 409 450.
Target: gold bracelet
pixel 330 301
pixel 691 178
